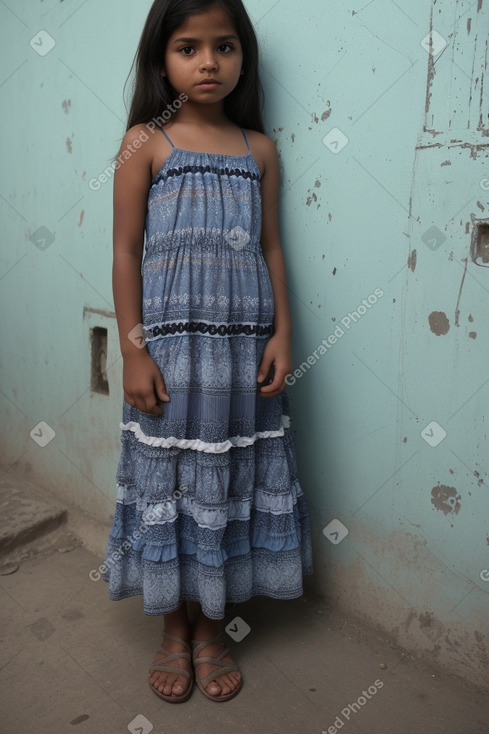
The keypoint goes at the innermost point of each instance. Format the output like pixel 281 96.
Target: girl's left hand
pixel 278 352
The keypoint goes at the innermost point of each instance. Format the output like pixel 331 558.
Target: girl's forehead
pixel 214 20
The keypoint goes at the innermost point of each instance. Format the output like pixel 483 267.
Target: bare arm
pixel 278 349
pixel 142 381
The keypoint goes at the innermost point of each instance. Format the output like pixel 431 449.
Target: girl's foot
pixel 172 684
pixel 206 629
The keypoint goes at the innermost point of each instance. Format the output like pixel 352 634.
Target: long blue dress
pixel 209 507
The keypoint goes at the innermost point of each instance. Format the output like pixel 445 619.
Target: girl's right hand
pixel 143 383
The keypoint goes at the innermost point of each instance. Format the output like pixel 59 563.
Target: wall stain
pixel 82 214
pixel 439 324
pixel 327 112
pixel 68 145
pixel 313 196
pixel 446 163
pixel 334 271
pixel 446 499
pixel 473 334
pixel 479 478
pixel 411 263
pixel 457 310
pixel 66 104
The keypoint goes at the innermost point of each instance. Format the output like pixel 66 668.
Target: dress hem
pixel 288 596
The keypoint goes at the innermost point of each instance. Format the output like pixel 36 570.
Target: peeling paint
pixel 439 324
pixel 411 263
pixel 446 499
pixel 457 311
pixel 313 197
pixel 66 104
pixel 68 145
pixel 431 72
pixel 446 163
pixel 334 271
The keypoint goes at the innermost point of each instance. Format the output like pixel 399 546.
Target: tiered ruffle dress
pixel 209 506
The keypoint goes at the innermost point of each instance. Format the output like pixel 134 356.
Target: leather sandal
pixel 162 665
pixel 198 646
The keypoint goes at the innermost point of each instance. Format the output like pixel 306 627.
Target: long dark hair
pixel 152 93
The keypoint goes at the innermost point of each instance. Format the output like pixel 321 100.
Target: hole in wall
pixel 479 248
pixel 98 378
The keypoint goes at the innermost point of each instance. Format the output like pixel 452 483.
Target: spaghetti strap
pixel 244 134
pixel 166 136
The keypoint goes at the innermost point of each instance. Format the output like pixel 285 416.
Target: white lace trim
pixel 198 445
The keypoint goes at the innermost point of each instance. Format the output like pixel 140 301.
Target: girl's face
pixel 205 46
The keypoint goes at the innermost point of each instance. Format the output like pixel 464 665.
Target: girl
pixel 209 508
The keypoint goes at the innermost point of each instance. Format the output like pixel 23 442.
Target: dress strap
pixel 166 136
pixel 244 135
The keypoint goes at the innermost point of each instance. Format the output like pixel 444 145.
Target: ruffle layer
pixel 138 532
pixel 208 527
pixel 198 444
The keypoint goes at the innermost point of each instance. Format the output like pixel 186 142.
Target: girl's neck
pixel 201 116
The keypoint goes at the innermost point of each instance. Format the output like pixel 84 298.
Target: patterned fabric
pixel 209 507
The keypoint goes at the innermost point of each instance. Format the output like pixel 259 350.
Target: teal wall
pixel 390 213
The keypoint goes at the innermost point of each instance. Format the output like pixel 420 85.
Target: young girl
pixel 209 508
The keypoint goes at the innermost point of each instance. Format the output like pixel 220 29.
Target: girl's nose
pixel 209 63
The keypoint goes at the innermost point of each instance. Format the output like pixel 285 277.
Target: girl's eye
pixel 224 47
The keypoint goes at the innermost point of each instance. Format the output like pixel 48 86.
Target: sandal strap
pixel 161 666
pixel 223 668
pixel 198 645
pixel 162 663
pixel 176 639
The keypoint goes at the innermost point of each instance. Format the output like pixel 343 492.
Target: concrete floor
pixel 73 661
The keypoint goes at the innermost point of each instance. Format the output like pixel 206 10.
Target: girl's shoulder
pixel 263 148
pixel 149 146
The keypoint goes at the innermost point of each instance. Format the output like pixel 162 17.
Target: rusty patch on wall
pixel 439 324
pixel 411 263
pixel 446 499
